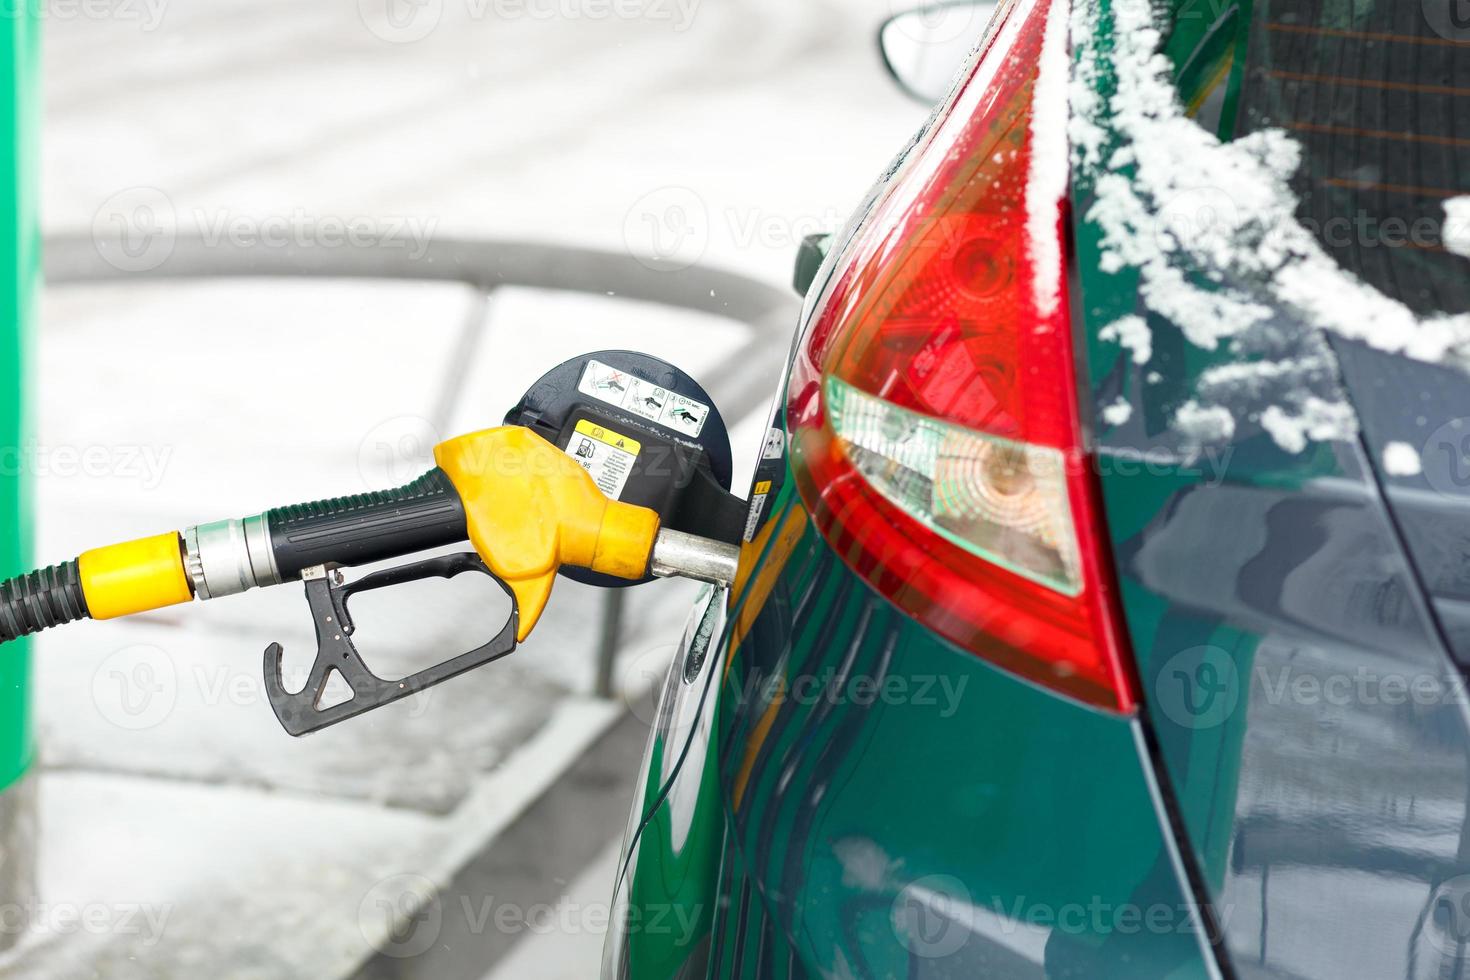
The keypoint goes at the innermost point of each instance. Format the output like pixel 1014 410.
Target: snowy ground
pixel 175 812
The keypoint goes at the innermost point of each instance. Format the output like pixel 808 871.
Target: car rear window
pixel 1377 94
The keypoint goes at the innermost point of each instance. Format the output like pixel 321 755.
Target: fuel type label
pixel 758 496
pixel 643 398
pixel 607 455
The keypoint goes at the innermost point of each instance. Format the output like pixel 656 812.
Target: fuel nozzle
pixel 527 508
pixel 613 464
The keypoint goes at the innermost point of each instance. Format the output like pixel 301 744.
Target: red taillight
pixel 934 403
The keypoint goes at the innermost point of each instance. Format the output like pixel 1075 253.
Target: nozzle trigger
pixel 327 594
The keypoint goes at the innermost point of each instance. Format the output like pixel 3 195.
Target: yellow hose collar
pixel 134 576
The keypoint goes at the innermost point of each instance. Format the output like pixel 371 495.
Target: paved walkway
pixel 174 810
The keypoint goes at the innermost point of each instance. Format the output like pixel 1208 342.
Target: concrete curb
pixel 528 859
pixel 18 829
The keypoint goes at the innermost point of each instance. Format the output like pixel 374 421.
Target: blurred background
pixel 437 166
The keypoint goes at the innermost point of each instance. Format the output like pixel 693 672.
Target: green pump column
pixel 19 278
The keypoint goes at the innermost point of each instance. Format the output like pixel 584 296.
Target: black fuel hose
pixel 41 599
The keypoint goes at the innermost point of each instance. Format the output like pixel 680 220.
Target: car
pixel 1104 608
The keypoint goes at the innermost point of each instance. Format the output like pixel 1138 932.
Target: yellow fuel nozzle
pixel 530 509
pixel 527 507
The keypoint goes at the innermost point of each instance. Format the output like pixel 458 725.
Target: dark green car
pixel 1106 590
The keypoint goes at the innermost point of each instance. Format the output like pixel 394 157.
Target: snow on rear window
pixel 1457 225
pixel 1211 230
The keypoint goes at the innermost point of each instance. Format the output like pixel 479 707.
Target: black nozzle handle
pixel 369 527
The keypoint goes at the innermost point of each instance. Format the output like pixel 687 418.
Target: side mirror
pixel 809 259
pixel 924 48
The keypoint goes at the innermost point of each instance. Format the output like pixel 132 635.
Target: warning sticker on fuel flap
pixel 607 455
pixel 643 398
pixel 758 496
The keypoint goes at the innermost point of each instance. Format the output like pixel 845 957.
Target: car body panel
pixel 1297 780
pixel 941 782
pixel 898 807
pixel 1431 506
pixel 1311 724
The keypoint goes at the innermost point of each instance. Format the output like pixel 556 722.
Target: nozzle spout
pixel 690 556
